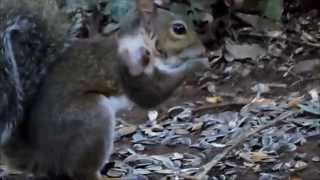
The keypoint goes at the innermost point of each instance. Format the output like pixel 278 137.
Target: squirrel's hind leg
pixel 81 131
pixel 92 145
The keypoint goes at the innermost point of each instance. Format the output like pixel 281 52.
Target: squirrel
pixel 58 102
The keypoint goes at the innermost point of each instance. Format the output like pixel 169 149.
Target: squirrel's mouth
pixel 193 52
pixel 189 54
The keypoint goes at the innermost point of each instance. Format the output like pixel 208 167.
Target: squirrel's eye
pixel 179 28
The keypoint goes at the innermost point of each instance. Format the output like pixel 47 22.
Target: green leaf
pixel 272 9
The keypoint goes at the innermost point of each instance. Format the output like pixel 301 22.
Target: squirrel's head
pixel 152 37
pixel 157 50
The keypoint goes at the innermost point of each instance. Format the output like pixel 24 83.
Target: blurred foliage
pixel 71 6
pixel 118 9
pixel 272 9
pixel 200 12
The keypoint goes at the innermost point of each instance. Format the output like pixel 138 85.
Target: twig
pixel 218 106
pixel 303 81
pixel 207 167
pixel 315 45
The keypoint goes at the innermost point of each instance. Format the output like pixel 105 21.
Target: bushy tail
pixel 11 102
pixel 32 33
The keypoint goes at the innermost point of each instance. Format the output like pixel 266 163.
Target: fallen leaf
pixel 263 101
pixel 294 103
pixel 214 100
pixel 258 156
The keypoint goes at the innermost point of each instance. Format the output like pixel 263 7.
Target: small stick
pixel 218 106
pixel 207 167
pixel 304 80
pixel 315 45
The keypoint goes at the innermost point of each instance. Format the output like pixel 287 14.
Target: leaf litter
pixel 208 132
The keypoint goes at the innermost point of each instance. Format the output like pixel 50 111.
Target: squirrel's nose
pixel 145 57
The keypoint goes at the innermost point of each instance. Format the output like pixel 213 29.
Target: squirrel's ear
pixel 147 8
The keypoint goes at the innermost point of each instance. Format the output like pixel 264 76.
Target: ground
pixel 264 74
pixel 192 93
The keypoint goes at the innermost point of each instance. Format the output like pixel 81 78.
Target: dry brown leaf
pixel 258 156
pixel 214 99
pixel 294 103
pixel 295 177
pixel 263 101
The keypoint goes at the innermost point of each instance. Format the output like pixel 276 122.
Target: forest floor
pixel 253 80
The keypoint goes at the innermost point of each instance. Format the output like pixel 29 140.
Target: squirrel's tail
pixel 32 32
pixel 11 102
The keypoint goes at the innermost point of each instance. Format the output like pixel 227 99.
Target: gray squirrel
pixel 58 103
